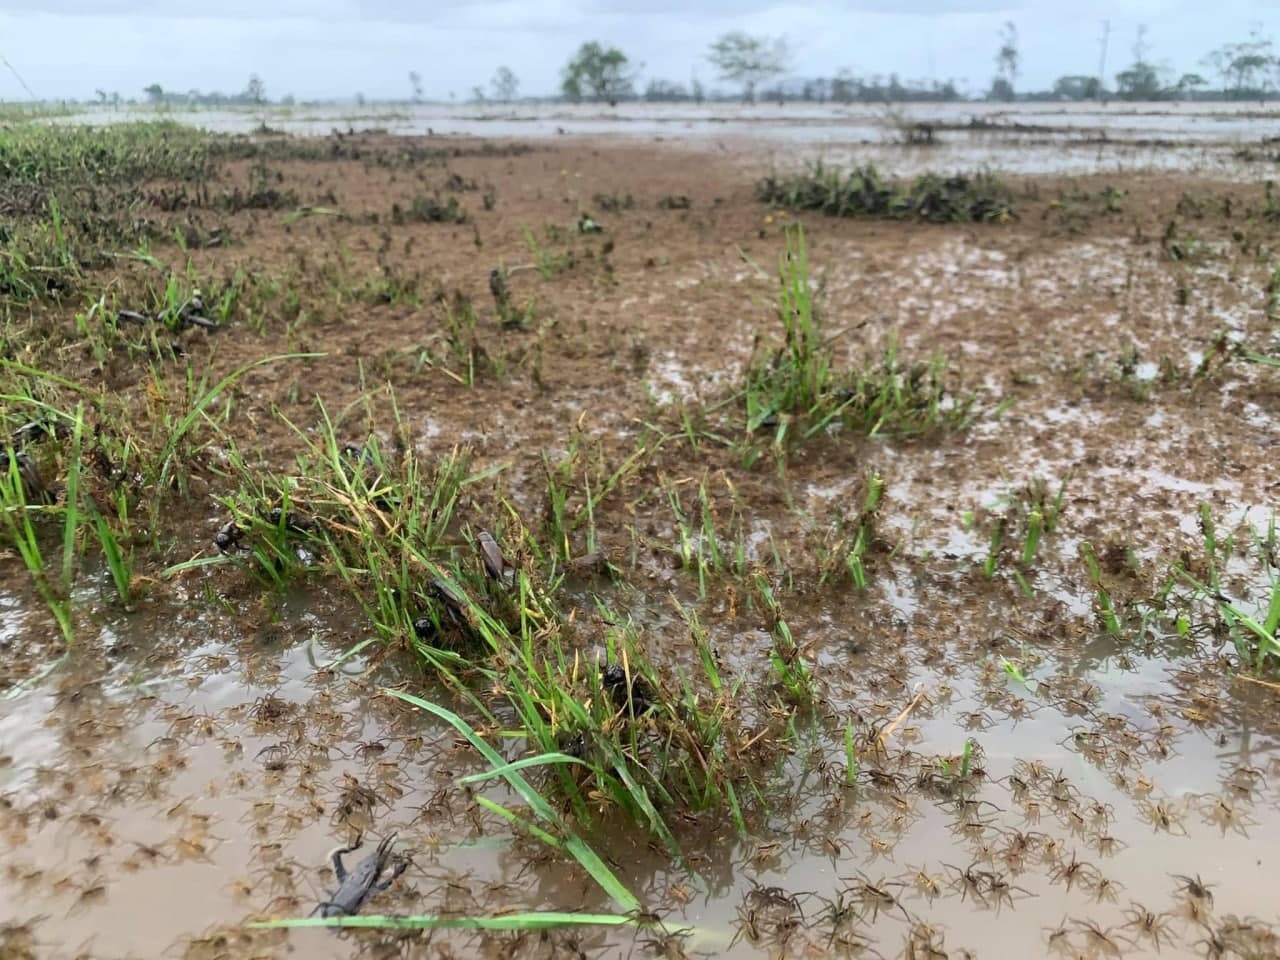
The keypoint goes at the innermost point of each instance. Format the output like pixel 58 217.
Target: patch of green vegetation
pixel 646 738
pixel 864 192
pixel 1019 522
pixel 49 155
pixel 796 384
pixel 432 209
pixel 71 196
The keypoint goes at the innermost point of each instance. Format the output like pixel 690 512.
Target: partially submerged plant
pixel 798 381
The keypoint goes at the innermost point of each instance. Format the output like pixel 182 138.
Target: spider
pixel 1152 926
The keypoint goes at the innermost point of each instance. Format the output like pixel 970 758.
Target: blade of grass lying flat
pixel 538 761
pixel 348 654
pixel 186 565
pixel 511 921
pixel 511 817
pixel 574 844
pixel 28 684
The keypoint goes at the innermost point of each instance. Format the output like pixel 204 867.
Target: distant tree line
pixel 254 94
pixel 758 67
pixel 1246 70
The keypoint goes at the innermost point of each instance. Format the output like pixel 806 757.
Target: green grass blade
pixel 538 761
pixel 186 565
pixel 197 410
pixel 577 848
pixel 511 921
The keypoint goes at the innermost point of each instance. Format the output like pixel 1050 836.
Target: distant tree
pixel 1246 68
pixel 1141 81
pixel 1076 87
pixel 477 94
pixel 1007 57
pixel 505 85
pixel 256 91
pixel 818 89
pixel 748 61
pixel 945 91
pixel 359 99
pixel 101 95
pixel 155 92
pixel 665 90
pixel 844 86
pixel 415 84
pixel 696 92
pixel 597 73
pixel 1189 82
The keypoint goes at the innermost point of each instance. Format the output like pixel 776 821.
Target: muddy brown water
pixel 187 769
pixel 201 779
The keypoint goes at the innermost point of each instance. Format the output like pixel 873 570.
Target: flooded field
pixel 1222 139
pixel 657 570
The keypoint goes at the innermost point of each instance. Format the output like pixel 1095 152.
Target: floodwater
pixel 199 779
pixel 1027 784
pixel 1024 138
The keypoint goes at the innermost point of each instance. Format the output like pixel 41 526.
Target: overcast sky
pixel 324 48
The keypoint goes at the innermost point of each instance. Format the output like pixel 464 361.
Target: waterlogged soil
pixel 189 766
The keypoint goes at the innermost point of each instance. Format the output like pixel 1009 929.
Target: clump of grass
pixel 1020 521
pixel 464 354
pixel 864 192
pixel 20 484
pixel 1252 624
pixel 424 209
pixel 263 192
pixel 645 740
pixel 613 202
pixel 703 546
pixel 644 737
pixel 851 538
pixel 548 826
pixel 548 264
pixel 798 380
pixel 22 532
pixel 46 155
pixel 794 679
pixel 1103 604
pixel 649 741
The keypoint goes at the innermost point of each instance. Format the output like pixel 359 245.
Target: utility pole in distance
pixel 1102 62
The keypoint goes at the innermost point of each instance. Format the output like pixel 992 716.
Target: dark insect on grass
pixel 632 693
pixel 495 564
